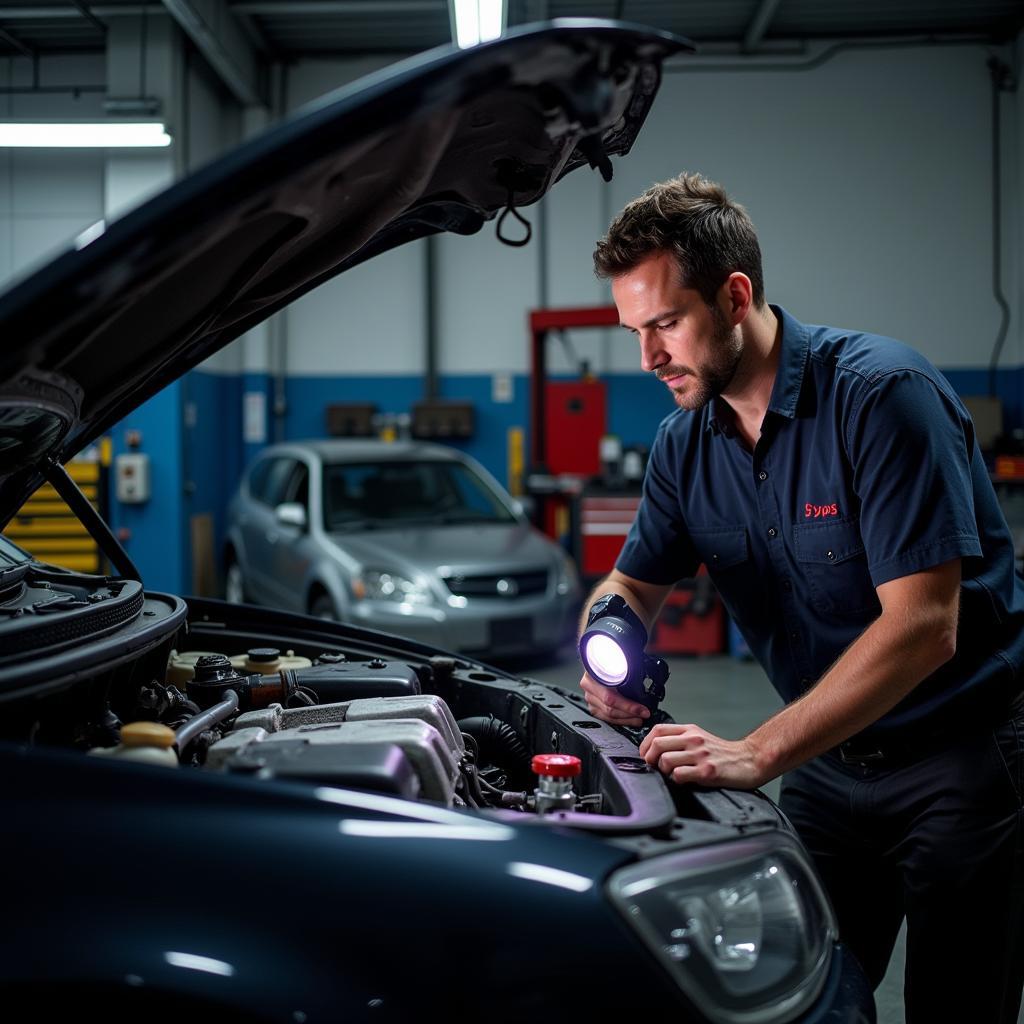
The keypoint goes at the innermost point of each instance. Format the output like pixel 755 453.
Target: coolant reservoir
pixel 268 660
pixel 148 742
pixel 181 668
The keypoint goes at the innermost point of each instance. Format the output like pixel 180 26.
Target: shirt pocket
pixel 725 552
pixel 831 556
pixel 721 547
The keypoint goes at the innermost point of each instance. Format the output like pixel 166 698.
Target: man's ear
pixel 736 298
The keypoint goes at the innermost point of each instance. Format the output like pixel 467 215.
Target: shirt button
pixel 787 585
pixel 762 475
pixel 794 635
pixel 830 555
pixel 772 531
pixel 805 682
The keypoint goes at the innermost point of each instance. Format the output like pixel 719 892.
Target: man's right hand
pixel 645 599
pixel 605 703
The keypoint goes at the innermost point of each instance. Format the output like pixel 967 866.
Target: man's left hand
pixel 688 753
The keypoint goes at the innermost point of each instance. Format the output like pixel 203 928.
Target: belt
pixel 870 753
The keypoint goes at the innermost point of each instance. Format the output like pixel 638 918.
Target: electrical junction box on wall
pixel 131 475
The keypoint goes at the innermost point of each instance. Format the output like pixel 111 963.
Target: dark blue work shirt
pixel 866 470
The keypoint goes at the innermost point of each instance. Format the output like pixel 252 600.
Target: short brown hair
pixel 710 236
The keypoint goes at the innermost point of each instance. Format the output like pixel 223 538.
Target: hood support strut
pixel 57 476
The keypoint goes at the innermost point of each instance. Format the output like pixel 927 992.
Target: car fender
pixel 233 542
pixel 326 575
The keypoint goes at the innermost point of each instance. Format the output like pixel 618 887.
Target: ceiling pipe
pixel 222 44
pixel 17 44
pixel 83 9
pixel 759 25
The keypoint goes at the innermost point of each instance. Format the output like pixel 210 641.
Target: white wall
pixel 214 117
pixel 47 197
pixel 214 125
pixel 868 179
pixel 371 320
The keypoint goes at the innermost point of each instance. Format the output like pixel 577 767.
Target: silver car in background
pixel 407 537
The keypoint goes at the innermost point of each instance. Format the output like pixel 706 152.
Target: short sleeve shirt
pixel 866 470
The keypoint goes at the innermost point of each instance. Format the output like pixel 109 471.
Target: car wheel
pixel 234 584
pixel 323 608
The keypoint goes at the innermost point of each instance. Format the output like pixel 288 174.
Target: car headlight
pixel 743 927
pixel 379 585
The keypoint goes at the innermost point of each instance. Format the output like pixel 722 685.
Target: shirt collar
pixel 796 343
pixel 789 377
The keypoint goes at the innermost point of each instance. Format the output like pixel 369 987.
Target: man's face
pixel 683 341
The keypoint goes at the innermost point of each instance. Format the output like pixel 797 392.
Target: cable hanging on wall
pixel 1002 81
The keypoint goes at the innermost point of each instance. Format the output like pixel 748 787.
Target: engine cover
pixel 407 746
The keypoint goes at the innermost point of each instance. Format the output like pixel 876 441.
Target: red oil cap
pixel 561 766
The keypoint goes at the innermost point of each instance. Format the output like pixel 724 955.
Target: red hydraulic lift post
pixel 693 620
pixel 542 321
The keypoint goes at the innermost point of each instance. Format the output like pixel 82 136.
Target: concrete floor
pixel 730 697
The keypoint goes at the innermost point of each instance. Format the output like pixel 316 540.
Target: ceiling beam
pixel 17 44
pixel 215 34
pixel 52 13
pixel 88 15
pixel 759 24
pixel 307 7
pixel 253 33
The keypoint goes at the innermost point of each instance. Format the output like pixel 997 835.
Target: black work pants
pixel 939 840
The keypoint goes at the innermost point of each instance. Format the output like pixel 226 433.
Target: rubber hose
pixel 496 738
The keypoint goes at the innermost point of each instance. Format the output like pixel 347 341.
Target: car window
pixel 405 492
pixel 258 478
pixel 275 483
pixel 297 488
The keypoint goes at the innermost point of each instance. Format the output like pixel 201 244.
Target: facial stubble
pixel 716 373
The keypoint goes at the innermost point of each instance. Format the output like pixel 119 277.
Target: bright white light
pixel 90 234
pixel 477 21
pixel 411 813
pixel 550 876
pixel 99 135
pixel 192 962
pixel 420 830
pixel 491 17
pixel 606 659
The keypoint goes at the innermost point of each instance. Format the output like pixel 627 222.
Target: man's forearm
pixel 646 605
pixel 874 674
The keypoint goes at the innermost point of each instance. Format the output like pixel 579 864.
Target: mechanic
pixel 830 482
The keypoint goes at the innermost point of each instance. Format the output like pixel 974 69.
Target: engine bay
pixel 248 691
pixel 203 685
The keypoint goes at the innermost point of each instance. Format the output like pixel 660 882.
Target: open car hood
pixel 443 142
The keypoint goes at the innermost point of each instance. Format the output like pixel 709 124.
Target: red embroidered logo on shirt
pixel 820 511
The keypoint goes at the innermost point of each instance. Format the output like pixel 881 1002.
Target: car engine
pixel 100 666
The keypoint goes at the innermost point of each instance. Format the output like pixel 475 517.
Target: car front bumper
pixel 481 626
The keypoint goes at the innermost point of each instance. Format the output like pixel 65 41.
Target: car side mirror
pixel 525 505
pixel 291 513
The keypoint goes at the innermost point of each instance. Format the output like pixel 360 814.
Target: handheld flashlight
pixel 612 651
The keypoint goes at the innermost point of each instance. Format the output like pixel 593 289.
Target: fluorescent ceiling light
pixel 78 135
pixel 476 21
